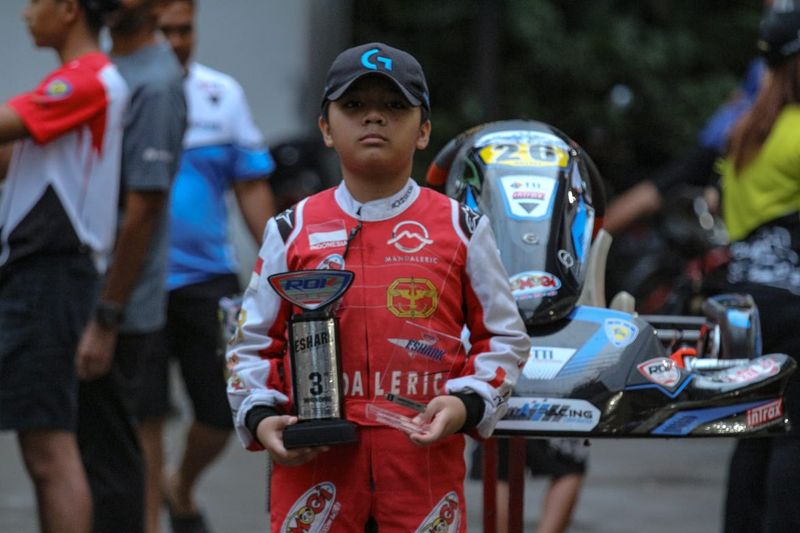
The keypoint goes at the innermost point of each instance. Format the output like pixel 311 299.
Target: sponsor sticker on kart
pixel 549 414
pixel 620 332
pixel 545 362
pixel 765 413
pixel 661 371
pixel 757 369
pixel 528 197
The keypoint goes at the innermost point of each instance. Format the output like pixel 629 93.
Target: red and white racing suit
pixel 425 267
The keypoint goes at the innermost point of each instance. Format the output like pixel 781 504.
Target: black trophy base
pixel 319 433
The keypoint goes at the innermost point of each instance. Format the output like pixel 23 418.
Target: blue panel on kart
pixel 592 340
pixel 685 422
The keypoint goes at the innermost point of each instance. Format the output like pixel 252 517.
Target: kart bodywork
pixel 594 371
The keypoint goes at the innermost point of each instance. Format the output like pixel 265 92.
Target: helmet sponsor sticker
pixel 445 516
pixel 528 197
pixel 661 371
pixel 524 155
pixel 620 332
pixel 314 511
pixel 534 284
pixel 550 414
pixel 409 236
pixel 329 234
pixel 545 362
pixel 412 298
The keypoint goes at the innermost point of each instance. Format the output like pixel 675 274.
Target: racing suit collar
pixel 381 209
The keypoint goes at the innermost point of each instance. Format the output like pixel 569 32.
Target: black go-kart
pixel 596 370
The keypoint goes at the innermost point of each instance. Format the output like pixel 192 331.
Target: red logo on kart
pixel 758 416
pixel 661 371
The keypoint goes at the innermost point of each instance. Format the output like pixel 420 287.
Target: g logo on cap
pixel 365 60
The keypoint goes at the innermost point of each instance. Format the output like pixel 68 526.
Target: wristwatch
pixel 109 315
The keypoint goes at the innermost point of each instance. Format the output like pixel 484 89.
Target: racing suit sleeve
pixel 255 353
pixel 499 343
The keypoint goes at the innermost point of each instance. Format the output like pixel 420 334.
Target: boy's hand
pixel 444 415
pixel 270 435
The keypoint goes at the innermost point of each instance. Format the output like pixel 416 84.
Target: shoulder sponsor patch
pixel 314 511
pixel 58 88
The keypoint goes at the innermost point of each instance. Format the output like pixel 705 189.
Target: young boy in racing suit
pixel 424 267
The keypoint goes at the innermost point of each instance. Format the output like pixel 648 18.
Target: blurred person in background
pixel 129 313
pixel 223 151
pixel 761 209
pixel 57 214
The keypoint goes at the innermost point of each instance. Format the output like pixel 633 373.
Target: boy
pixel 57 216
pixel 424 268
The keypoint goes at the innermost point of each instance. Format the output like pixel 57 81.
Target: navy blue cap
pixel 382 59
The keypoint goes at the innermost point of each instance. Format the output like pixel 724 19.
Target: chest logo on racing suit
pixel 313 511
pixel 412 298
pixel 445 517
pixel 409 236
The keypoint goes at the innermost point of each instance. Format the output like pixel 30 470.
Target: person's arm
pixel 96 347
pixel 499 347
pixel 12 127
pixel 256 204
pixel 637 202
pixel 256 387
pixel 6 151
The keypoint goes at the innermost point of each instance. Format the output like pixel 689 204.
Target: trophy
pixel 315 358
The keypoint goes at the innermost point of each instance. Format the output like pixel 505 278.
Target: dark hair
pixel 780 88
pixel 96 11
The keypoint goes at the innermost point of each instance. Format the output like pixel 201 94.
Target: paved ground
pixel 633 486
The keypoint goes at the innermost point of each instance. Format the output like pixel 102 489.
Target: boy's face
pixel 374 129
pixel 46 21
pixel 177 24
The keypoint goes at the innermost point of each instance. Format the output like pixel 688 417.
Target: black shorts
pixel 191 337
pixel 45 303
pixel 553 458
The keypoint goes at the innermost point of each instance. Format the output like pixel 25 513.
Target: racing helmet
pixel 544 199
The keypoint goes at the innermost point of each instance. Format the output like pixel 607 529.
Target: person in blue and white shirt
pixel 223 151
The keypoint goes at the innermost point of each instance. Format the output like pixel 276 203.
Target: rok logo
pixel 661 371
pixel 314 511
pixel 445 516
pixel 758 416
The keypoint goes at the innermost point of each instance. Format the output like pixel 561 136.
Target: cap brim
pixel 335 95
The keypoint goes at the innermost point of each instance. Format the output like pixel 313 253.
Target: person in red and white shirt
pixel 58 211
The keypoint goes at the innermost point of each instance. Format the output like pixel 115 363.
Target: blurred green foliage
pixel 630 80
